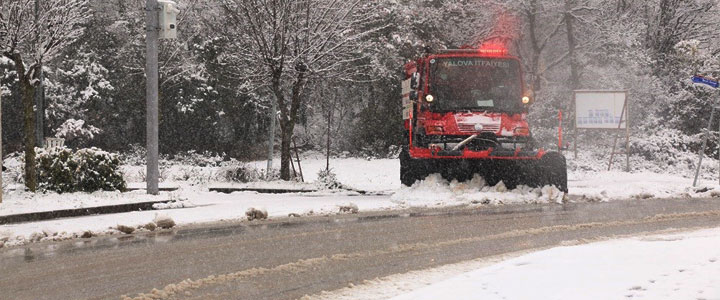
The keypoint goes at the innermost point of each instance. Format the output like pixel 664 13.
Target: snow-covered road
pixel 669 266
pixel 289 258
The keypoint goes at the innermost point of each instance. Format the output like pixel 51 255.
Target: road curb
pixel 230 190
pixel 78 212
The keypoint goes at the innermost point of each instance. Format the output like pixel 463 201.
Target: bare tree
pixel 675 20
pixel 282 44
pixel 542 24
pixel 31 36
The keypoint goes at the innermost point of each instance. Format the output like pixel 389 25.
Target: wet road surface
pixel 290 258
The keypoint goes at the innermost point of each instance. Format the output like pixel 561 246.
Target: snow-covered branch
pixel 39 35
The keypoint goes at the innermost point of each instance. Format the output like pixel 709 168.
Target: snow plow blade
pixel 551 169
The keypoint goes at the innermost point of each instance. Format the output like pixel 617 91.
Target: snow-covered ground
pixel 378 176
pixel 669 266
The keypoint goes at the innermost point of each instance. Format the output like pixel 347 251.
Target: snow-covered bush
pixel 98 170
pixel 328 179
pixel 87 170
pixel 56 170
pixel 135 156
pixel 14 169
pixel 199 159
pixel 239 172
pixel 665 145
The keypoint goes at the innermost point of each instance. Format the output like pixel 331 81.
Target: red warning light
pixel 493 49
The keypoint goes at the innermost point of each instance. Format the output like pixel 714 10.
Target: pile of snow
pixel 434 190
pixel 164 221
pixel 174 205
pixel 256 214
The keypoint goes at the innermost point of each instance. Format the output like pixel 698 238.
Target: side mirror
pixel 415 81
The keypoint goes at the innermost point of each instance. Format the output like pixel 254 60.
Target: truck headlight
pixel 429 98
pixel 526 100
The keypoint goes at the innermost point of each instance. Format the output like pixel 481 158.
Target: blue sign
pixel 599 117
pixel 707 81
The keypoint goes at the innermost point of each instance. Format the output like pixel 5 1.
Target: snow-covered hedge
pixel 328 179
pixel 56 170
pixel 86 170
pixel 239 172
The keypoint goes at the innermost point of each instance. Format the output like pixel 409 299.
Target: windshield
pixel 471 83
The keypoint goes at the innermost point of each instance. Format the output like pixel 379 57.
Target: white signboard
pixel 600 109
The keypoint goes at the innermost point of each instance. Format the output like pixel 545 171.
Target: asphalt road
pixel 290 258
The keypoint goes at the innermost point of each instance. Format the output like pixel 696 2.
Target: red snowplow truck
pixel 465 113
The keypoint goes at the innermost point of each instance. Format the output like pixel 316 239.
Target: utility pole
pixel 271 139
pixel 152 91
pixel 40 89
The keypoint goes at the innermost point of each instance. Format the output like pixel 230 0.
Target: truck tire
pixel 554 170
pixel 411 170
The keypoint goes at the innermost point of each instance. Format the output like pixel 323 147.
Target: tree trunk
pixel 286 127
pixel 574 80
pixel 536 49
pixel 28 96
pixel 329 127
pixel 572 44
pixel 27 91
pixel 287 124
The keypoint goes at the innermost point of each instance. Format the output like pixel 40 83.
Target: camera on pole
pixel 168 19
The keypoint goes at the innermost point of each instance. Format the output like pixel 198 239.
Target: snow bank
pixel 205 207
pixel 616 185
pixel 435 190
pixel 19 202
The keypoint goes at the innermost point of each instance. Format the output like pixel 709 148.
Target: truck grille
pixel 470 128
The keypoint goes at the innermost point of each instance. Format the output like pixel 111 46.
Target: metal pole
pixel 575 131
pixel 704 144
pixel 560 139
pixel 152 91
pixel 1 156
pixel 297 154
pixel 40 90
pixel 622 115
pixel 627 134
pixel 327 154
pixel 271 139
